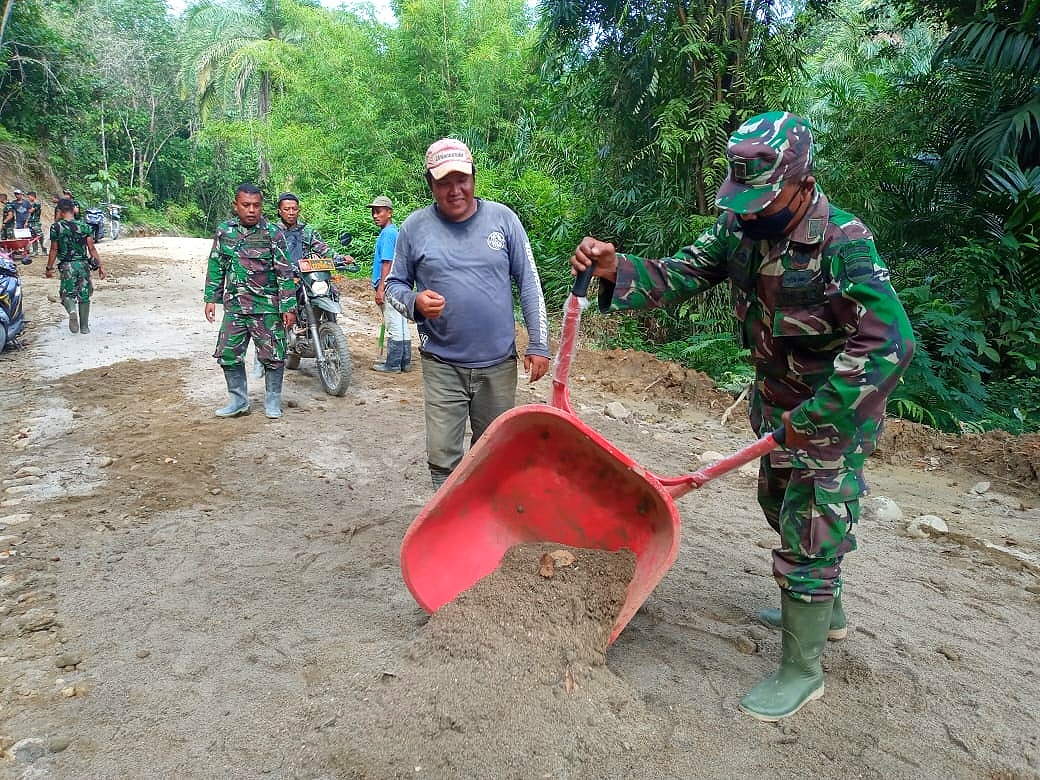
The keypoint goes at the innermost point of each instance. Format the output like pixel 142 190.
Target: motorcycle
pixel 95 217
pixel 12 316
pixel 316 333
pixel 114 213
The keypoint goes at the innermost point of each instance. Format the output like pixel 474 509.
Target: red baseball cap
pixel 448 155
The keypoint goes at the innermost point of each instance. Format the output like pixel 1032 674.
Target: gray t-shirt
pixel 472 264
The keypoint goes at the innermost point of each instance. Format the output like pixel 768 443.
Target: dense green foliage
pixel 587 117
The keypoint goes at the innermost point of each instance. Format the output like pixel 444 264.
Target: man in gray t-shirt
pixel 453 273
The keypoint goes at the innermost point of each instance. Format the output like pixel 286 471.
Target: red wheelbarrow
pixel 18 247
pixel 540 474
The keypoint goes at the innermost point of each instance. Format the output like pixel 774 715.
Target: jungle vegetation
pixel 588 117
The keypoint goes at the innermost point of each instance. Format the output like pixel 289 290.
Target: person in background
pixel 8 216
pixel 20 208
pixel 829 340
pixel 301 240
pixel 249 273
pixel 35 222
pixel 73 253
pixel 453 273
pixel 75 204
pixel 395 325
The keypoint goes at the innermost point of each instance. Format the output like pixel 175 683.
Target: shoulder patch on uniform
pixel 858 262
pixel 815 229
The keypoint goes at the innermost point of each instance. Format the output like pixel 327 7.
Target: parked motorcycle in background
pixel 115 212
pixel 12 316
pixel 316 334
pixel 95 217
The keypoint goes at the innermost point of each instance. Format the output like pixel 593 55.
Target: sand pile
pixel 509 680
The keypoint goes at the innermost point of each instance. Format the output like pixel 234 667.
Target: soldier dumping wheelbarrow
pixel 829 340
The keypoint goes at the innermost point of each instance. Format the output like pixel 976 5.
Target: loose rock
pixel 27 750
pixel 883 509
pixel 933 523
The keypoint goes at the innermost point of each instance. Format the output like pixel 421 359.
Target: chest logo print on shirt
pixel 496 240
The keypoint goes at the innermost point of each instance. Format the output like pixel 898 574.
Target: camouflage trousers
pixel 266 331
pixel 76 285
pixel 37 232
pixel 815 522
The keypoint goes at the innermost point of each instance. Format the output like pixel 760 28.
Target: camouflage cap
pixel 765 153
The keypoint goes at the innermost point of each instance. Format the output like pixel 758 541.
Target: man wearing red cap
pixel 462 255
pixel 829 340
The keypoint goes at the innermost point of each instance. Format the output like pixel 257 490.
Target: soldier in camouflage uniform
pixel 249 273
pixel 35 222
pixel 72 250
pixel 7 218
pixel 829 340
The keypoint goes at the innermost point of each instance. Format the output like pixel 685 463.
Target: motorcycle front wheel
pixel 113 230
pixel 336 370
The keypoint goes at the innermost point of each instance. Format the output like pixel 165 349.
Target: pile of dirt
pixel 510 679
pixel 1011 461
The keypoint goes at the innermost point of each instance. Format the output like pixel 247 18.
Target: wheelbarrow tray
pixel 12 244
pixel 539 474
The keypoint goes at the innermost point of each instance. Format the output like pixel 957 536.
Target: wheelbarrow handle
pixel 680 486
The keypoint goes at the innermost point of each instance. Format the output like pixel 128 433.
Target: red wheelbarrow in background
pixel 540 474
pixel 19 246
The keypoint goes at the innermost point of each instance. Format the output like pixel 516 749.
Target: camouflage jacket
pixel 827 334
pixel 34 213
pixel 249 271
pixel 71 236
pixel 301 240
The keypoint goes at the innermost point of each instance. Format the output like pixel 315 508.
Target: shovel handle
pixel 680 486
pixel 581 283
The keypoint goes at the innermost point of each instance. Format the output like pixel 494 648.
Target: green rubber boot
pixel 799 679
pixel 84 317
pixel 839 626
pixel 238 401
pixel 70 307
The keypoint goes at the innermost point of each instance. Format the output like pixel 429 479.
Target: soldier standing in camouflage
pixel 72 250
pixel 35 222
pixel 249 273
pixel 829 339
pixel 8 217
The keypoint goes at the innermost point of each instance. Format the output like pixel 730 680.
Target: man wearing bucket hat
pixel 395 326
pixel 462 255
pixel 829 340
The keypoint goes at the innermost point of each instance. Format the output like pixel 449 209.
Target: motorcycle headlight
pixel 320 287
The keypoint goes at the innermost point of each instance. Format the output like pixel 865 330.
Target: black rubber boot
pixel 406 356
pixel 799 680
pixel 273 394
pixel 238 403
pixel 392 364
